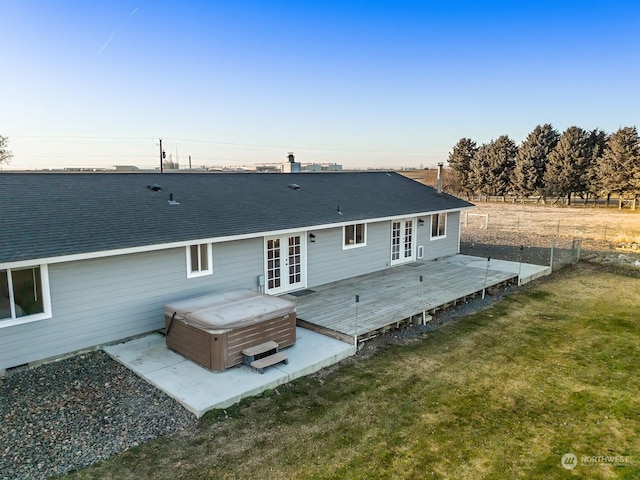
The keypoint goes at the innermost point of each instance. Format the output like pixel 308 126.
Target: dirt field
pixel 599 225
pixel 498 229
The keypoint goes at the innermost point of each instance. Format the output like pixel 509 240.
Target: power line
pixel 229 144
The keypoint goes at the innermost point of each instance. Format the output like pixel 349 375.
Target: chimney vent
pixel 439 182
pixel 291 166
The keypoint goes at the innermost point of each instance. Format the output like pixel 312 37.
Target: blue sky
pixel 366 84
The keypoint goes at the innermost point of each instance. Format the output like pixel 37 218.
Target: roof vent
pixel 155 187
pixel 172 201
pixel 294 186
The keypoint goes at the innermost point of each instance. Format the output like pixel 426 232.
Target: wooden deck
pixel 395 295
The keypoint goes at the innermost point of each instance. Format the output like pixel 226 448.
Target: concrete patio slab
pixel 200 390
pixel 525 271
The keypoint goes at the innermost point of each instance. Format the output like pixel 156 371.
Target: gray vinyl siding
pixel 442 247
pixel 107 299
pixel 328 262
pixel 104 300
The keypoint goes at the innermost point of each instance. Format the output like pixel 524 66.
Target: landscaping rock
pixel 71 413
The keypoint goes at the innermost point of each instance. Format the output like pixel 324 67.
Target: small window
pixel 24 295
pixel 199 261
pixel 438 225
pixel 355 235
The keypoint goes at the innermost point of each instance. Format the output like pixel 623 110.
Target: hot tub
pixel 213 329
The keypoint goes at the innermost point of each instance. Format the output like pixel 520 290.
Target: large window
pixel 199 261
pixel 355 235
pixel 24 294
pixel 438 225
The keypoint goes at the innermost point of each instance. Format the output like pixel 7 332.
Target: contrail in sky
pixel 116 30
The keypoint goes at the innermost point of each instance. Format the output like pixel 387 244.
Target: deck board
pixel 395 294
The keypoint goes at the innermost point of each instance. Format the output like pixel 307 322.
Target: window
pixel 438 225
pixel 24 295
pixel 355 235
pixel 199 261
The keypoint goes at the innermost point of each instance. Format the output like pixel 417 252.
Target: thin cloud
pixel 133 12
pixel 107 42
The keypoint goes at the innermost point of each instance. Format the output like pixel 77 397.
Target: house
pixel 91 258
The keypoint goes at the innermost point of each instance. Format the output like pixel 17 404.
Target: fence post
pixel 579 249
pixel 553 244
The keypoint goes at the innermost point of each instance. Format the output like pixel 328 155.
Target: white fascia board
pixel 166 246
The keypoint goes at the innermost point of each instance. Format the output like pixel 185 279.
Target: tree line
pixel 586 163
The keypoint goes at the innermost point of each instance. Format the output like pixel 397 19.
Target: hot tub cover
pixel 224 311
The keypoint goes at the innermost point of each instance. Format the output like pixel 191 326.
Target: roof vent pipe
pixel 439 181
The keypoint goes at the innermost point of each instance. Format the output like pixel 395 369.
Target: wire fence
pixel 614 202
pixel 559 223
pixel 520 238
pixel 564 253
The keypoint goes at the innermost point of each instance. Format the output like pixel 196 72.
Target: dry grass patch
pixel 503 393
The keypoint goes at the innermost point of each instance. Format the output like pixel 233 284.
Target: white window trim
pixel 200 273
pixel 46 300
pixel 354 245
pixel 446 217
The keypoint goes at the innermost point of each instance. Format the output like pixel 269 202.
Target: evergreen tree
pixel 460 164
pixel 5 153
pixel 479 171
pixel 492 166
pixel 568 164
pixel 531 160
pixel 619 166
pixel 597 142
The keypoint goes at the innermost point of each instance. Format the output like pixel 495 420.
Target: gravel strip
pixel 71 413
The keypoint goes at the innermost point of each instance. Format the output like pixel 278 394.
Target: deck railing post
pixel 355 336
pixel 424 316
pixel 486 274
pixel 520 266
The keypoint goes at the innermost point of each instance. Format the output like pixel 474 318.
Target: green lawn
pixel 503 393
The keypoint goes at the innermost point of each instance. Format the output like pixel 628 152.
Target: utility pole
pixel 161 155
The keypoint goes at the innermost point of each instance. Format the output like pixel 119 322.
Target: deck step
pixel 262 348
pixel 272 359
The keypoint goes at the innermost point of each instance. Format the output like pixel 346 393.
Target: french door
pixel 402 241
pixel 285 263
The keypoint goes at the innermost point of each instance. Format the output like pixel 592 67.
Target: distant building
pixel 321 167
pixel 126 168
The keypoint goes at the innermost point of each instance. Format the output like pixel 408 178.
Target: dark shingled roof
pixel 54 214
